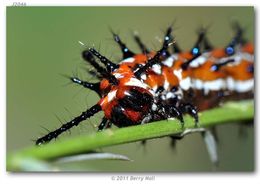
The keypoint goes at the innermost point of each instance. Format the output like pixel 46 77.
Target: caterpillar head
pixel 127 105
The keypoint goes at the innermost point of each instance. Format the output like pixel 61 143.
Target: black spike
pixel 54 134
pixel 126 52
pixel 237 39
pixel 217 66
pixel 207 44
pixel 230 49
pixel 240 31
pixel 167 39
pixel 152 61
pixel 109 64
pixel 88 56
pixel 94 73
pixel 91 86
pixel 141 45
pixel 195 51
pixel 176 48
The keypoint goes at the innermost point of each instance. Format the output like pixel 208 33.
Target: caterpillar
pixel 168 83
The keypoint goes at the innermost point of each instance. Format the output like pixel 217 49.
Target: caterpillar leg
pixel 140 44
pixel 175 112
pixel 104 124
pixel 191 110
pixel 167 112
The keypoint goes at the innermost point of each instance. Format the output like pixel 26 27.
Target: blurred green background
pixel 42 46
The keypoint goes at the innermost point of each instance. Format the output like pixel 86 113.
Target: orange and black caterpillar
pixel 159 85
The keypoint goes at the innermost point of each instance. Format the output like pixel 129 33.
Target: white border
pixel 237 179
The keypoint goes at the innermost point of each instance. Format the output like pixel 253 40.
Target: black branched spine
pixel 54 134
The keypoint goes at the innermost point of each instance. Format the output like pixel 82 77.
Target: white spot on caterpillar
pixel 244 86
pixel 210 85
pixel 214 85
pixel 178 73
pixel 247 56
pixel 154 107
pixel 166 85
pixel 185 84
pixel 237 59
pixel 198 84
pixel 137 83
pixel 230 83
pixel 111 95
pixel 163 97
pixel 240 86
pixel 128 60
pixel 170 95
pixel 118 75
pixel 157 68
pixel 143 77
pixel 198 61
pixel 169 61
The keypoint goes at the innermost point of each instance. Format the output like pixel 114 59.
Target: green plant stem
pixel 229 112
